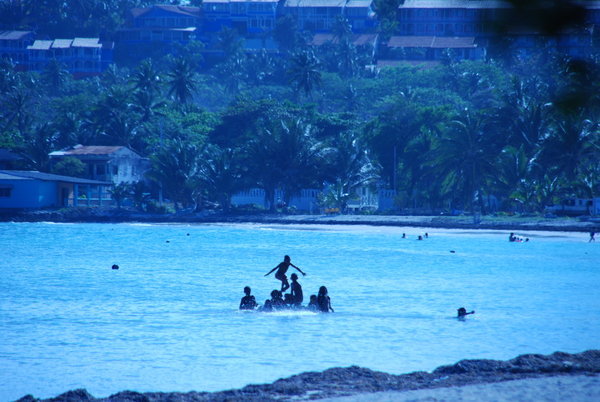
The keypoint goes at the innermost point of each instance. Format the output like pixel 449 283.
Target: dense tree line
pixel 447 137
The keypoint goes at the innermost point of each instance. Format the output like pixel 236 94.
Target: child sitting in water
pixel 312 305
pixel 248 302
pixel 323 301
pixel 282 268
pixel 277 300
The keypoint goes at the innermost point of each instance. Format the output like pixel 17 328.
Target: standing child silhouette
pixel 282 268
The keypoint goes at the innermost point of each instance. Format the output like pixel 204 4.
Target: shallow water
pixel 167 320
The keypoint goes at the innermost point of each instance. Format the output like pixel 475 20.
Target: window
pixel 5 191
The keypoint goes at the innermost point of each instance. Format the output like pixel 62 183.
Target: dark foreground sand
pixel 556 377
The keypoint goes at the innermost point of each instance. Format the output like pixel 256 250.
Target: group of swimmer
pixel 516 239
pixel 293 300
pixel 420 237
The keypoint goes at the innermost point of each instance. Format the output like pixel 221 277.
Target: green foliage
pixel 70 166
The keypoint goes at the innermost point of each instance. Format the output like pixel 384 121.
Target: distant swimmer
pixel 462 312
pixel 512 237
pixel 426 235
pixel 592 237
pixel 312 305
pixel 282 268
pixel 115 266
pixel 404 235
pixel 420 237
pixel 248 302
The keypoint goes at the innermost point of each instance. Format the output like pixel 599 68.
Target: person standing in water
pixel 297 296
pixel 282 268
pixel 592 237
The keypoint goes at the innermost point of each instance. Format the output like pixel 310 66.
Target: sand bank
pixel 561 376
pixel 112 215
pixel 581 388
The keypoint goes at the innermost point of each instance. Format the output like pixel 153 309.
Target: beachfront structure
pixel 21 189
pixel 160 23
pixel 421 48
pixel 82 57
pixel 319 16
pixel 13 46
pixel 115 164
pixel 245 16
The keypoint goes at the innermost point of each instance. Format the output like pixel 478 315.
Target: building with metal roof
pixel 24 189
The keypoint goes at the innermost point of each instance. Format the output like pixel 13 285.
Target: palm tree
pixel 222 174
pixel 182 81
pixel 38 143
pixel 146 78
pixel 284 154
pixel 176 168
pixel 304 73
pixel 465 156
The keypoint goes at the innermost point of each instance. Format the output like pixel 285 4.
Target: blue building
pixel 82 57
pixel 160 23
pixel 246 16
pixel 13 46
pixel 20 189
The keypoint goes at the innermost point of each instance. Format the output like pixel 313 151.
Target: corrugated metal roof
pixel 86 42
pixel 358 40
pixel 359 3
pixel 315 3
pixel 183 10
pixel 13 35
pixel 4 176
pixel 88 150
pixel 455 4
pixel 62 43
pixel 35 175
pixel 439 42
pixel 40 45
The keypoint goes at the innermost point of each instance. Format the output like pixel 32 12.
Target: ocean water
pixel 167 320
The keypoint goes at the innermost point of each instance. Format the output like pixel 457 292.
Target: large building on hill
pixel 160 23
pixel 82 57
pixel 13 46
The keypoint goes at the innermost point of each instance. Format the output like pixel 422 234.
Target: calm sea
pixel 167 320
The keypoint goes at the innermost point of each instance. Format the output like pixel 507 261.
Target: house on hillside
pixel 160 23
pixel 82 57
pixel 115 164
pixel 21 189
pixel 13 46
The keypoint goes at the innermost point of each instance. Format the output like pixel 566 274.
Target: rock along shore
pixel 113 215
pixel 354 380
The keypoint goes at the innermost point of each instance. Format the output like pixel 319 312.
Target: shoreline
pixel 488 222
pixel 364 384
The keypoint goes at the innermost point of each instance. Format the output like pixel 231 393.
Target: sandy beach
pixel 531 377
pixel 580 388
pixel 490 222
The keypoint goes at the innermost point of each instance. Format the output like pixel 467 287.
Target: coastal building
pixel 13 46
pixel 21 189
pixel 431 48
pixel 160 23
pixel 245 16
pixel 320 16
pixel 82 57
pixel 115 164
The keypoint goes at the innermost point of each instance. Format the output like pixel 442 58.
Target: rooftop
pixel 182 10
pixel 439 42
pixel 88 150
pixel 315 3
pixel 14 35
pixel 35 175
